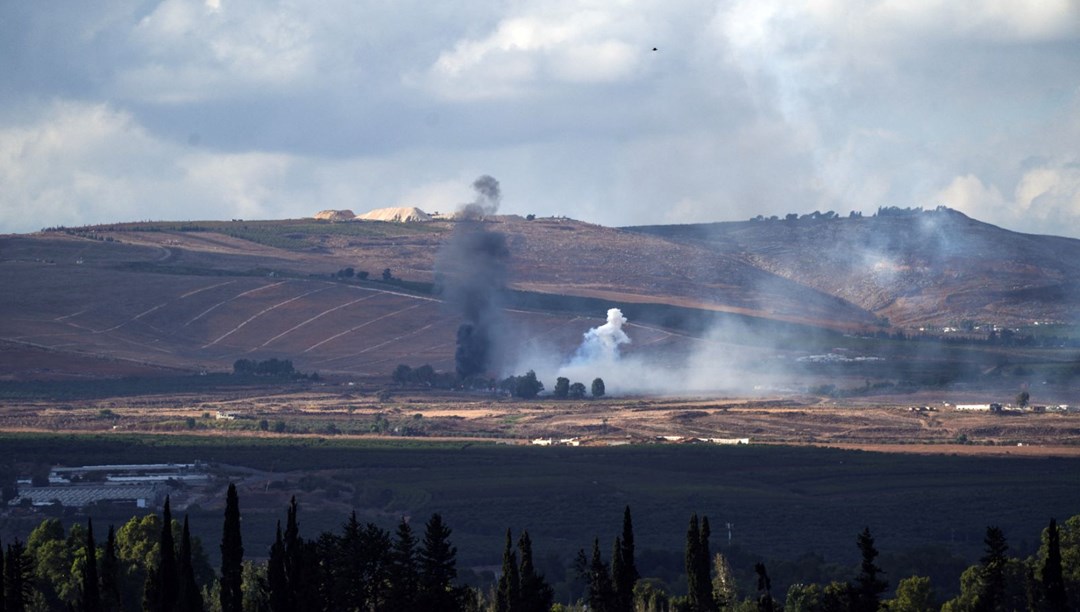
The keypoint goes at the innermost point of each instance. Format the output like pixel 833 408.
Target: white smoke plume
pixel 728 358
pixel 601 344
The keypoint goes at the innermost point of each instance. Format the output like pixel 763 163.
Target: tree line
pixel 525 386
pixel 153 564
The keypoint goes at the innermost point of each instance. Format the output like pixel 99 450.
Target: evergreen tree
pixel 536 594
pixel 403 572
pixel 698 572
pixel 232 555
pixel 294 555
pixel 704 569
pixel 619 579
pixel 628 545
pixel 1053 580
pixel 764 586
pixel 508 592
pixel 189 597
pixel 868 585
pixel 991 593
pixel 693 545
pixel 18 578
pixel 438 568
pixel 276 580
pixel 110 575
pixel 164 587
pixel 91 595
pixel 600 594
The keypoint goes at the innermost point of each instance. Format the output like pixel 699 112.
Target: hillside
pixel 160 297
pixel 932 268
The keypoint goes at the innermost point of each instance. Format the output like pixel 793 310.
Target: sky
pixel 618 112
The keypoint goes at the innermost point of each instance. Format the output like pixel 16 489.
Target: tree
pixel 600 593
pixel 577 390
pixel 91 595
pixel 403 570
pixel 724 588
pixel 628 545
pixel 231 595
pixel 598 387
pixel 536 594
pixel 2 605
pixel 18 578
pixel 277 582
pixel 991 592
pixel 699 583
pixel 562 387
pixel 508 592
pixel 868 585
pixel 110 575
pixel 166 577
pixel 1053 580
pixel 764 587
pixel 189 597
pixel 402 374
pixel 913 594
pixel 438 568
pixel 387 275
pixel 1022 399
pixel 527 386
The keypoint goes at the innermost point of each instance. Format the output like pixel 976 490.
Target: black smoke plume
pixel 488 197
pixel 471 276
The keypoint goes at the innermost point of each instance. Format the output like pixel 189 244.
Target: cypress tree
pixel 868 585
pixel 189 598
pixel 536 594
pixel 277 583
pixel 91 596
pixel 110 575
pixel 508 592
pixel 18 578
pixel 1053 580
pixel 628 547
pixel 693 544
pixel 294 555
pixel 622 586
pixel 704 569
pixel 232 555
pixel 162 586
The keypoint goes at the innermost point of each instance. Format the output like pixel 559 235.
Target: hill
pixel 195 296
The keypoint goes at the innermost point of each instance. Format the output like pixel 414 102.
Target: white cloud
pixel 571 44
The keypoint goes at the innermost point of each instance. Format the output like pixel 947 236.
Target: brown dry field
pixel 886 424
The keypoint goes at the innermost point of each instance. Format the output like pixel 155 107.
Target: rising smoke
pixel 488 198
pixel 601 344
pixel 729 358
pixel 471 276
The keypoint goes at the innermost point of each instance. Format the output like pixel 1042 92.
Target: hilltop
pixel 134 298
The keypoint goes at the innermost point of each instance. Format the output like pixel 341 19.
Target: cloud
pixel 571 44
